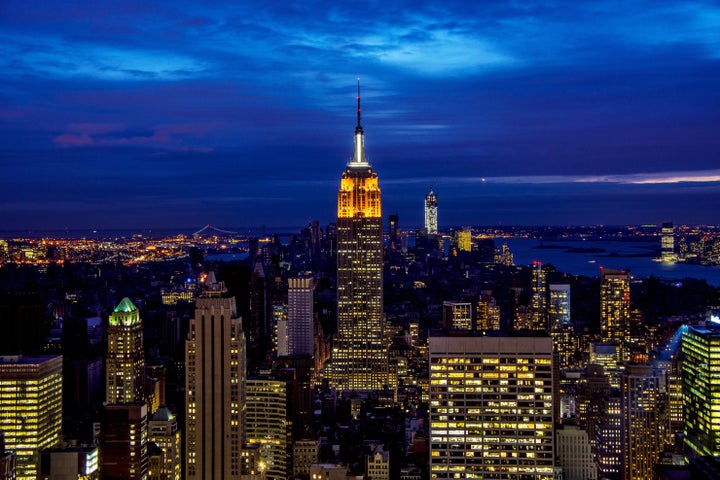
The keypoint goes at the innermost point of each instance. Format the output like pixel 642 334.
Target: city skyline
pixel 181 115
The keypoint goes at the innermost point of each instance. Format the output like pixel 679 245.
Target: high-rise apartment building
pixel 125 361
pixel 701 390
pixel 615 309
pixel 667 243
pixel 300 316
pixel 491 407
pixel 538 299
pixel 608 437
pixel 163 432
pixel 642 439
pixel 124 442
pixel 431 213
pixel 30 408
pixel 360 352
pixel 268 425
pixel 215 389
pixel 561 327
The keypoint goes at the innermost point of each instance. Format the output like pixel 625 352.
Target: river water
pixel 635 256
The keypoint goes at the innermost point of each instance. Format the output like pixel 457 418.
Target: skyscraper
pixel 431 213
pixel 561 327
pixel 667 243
pixel 300 316
pixel 30 408
pixel 125 361
pixel 215 389
pixel 615 309
pixel 538 306
pixel 268 425
pixel 491 407
pixel 163 432
pixel 701 390
pixel 124 442
pixel 360 353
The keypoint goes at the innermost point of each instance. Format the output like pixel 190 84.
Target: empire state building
pixel 360 351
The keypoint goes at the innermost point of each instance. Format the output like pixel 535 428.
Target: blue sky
pixel 178 114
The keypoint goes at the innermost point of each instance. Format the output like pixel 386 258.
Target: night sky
pixel 128 114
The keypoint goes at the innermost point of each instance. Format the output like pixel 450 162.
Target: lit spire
pixel 359 153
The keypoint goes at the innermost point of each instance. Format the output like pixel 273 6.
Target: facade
pixel 667 243
pixel 305 454
pixel 642 439
pixel 125 361
pixel 163 432
pixel 215 389
pixel 30 409
pixel 574 453
pixel 377 465
pixel 124 442
pixel 71 463
pixel 615 309
pixel 463 240
pixel 360 351
pixel 268 426
pixel 487 313
pixel 491 407
pixel 300 338
pixel 701 390
pixel 457 315
pixel 538 306
pixel 561 327
pixel 431 213
pixel 608 437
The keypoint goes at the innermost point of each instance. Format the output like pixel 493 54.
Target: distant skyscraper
pixel 125 361
pixel 701 385
pixel 394 230
pixel 431 213
pixel 360 353
pixel 487 316
pixel 463 239
pixel 457 315
pixel 615 309
pixel 30 408
pixel 561 327
pixel 491 407
pixel 300 338
pixel 538 305
pixel 215 389
pixel 667 243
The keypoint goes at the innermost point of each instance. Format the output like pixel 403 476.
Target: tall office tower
pixel 592 389
pixel 608 437
pixel 574 453
pixel 487 315
pixel 30 408
pixel 431 213
pixel 259 300
pixel 267 423
pixel 561 327
pixel 394 236
pixel 538 299
pixel 280 319
pixel 615 309
pixel 667 243
pixel 674 397
pixel 606 355
pixel 463 240
pixel 300 316
pixel 642 440
pixel 163 432
pixel 457 315
pixel 125 361
pixel 360 353
pixel 701 390
pixel 491 407
pixel 215 389
pixel 124 442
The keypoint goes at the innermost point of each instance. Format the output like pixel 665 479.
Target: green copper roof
pixel 126 306
pixel 163 414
